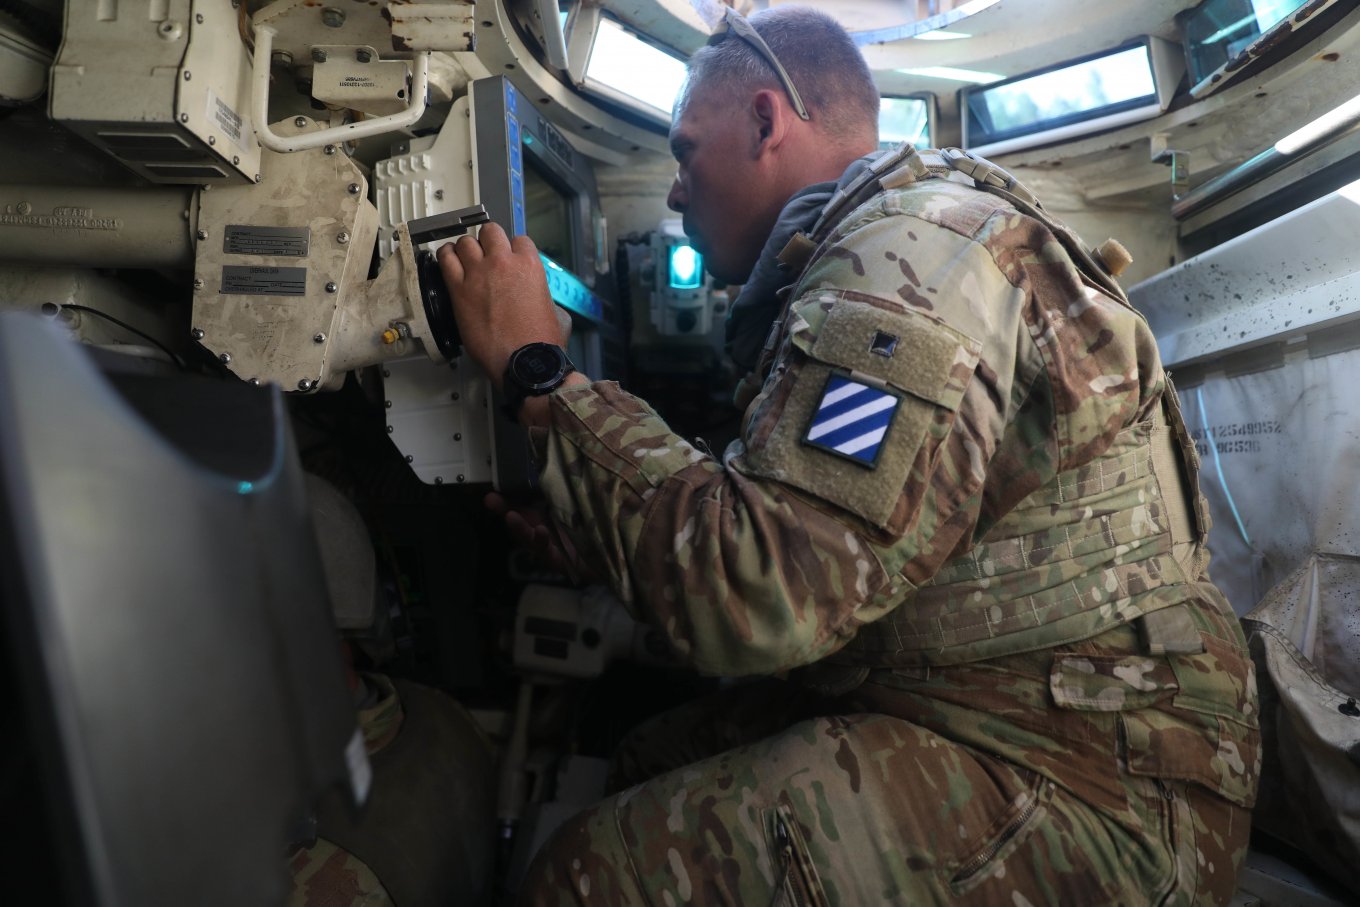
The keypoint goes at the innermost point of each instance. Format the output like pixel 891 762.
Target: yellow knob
pixel 1114 256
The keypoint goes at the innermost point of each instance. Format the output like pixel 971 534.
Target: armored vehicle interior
pixel 258 622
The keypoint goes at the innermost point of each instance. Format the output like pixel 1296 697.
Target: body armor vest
pixel 1115 540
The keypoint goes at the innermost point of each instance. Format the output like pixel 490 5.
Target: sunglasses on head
pixel 735 24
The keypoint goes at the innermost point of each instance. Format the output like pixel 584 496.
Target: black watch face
pixel 539 366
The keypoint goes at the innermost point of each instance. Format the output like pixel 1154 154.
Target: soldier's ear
pixel 769 121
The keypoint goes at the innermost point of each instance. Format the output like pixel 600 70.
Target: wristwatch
pixel 533 370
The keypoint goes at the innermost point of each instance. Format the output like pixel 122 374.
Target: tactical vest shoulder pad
pixel 906 165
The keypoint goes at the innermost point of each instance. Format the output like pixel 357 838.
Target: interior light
pixel 941 35
pixel 1329 121
pixel 975 6
pixel 954 75
pixel 1351 192
pixel 623 64
pixel 686 268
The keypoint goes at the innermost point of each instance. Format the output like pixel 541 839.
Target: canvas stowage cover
pixel 1305 641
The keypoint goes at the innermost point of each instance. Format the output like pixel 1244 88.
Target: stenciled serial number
pixel 60 221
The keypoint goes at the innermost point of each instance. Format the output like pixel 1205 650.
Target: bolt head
pixel 439 480
pixel 184 118
pixel 258 177
pixel 198 283
pixel 188 75
pixel 318 55
pixel 199 18
pixel 439 195
pixel 332 17
pixel 330 149
pixel 389 429
pixel 353 188
pixel 458 436
pixel 342 237
pixel 318 338
pixel 202 234
pixel 410 459
pixel 304 385
pixel 212 140
pixel 196 333
pixel 460 477
pixel 331 286
pixel 236 159
pixel 363 56
pixel 225 358
pixel 299 122
pixel 387 404
pixel 254 382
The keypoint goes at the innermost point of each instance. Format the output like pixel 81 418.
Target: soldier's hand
pixel 500 296
pixel 531 529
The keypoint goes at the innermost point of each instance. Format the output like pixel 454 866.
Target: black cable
pixel 127 327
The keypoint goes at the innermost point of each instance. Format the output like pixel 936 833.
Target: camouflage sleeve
pixel 911 395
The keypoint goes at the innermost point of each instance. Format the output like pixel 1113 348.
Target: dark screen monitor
pixel 548 212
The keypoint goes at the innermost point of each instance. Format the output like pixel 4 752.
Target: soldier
pixel 963 513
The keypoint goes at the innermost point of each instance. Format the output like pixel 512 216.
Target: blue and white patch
pixel 852 420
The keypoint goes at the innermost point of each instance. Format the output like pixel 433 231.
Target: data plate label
pixel 242 279
pixel 291 242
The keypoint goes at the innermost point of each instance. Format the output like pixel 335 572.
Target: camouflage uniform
pixel 1027 691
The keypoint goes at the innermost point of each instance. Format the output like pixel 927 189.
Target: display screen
pixel 547 214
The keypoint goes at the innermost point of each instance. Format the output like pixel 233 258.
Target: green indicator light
pixel 245 487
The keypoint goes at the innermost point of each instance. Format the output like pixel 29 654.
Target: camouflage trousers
pixel 769 795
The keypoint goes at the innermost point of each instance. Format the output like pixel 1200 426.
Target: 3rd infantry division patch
pixel 852 420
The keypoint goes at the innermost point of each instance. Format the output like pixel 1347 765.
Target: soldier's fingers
pixel 549 552
pixel 523 245
pixel 468 249
pixel 520 529
pixel 493 239
pixel 449 264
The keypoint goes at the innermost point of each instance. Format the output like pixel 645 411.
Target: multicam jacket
pixel 951 459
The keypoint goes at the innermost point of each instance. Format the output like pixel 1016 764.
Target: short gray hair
pixel 822 60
